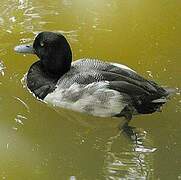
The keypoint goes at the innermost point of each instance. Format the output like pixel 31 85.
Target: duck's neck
pixel 56 71
pixel 55 67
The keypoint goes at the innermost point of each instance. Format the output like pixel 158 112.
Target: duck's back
pixel 105 89
pixel 85 71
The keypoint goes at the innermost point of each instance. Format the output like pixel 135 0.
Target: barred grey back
pixel 83 71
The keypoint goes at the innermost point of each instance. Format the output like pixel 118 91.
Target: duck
pixel 96 87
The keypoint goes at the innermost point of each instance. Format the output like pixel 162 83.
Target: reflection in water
pixel 133 160
pixel 24 16
pixel 2 68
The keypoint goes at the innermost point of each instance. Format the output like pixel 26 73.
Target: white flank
pixel 95 99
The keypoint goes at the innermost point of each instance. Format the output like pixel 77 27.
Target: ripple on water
pixel 134 160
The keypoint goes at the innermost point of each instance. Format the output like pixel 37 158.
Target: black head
pixel 54 52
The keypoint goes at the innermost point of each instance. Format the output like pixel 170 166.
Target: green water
pixel 38 142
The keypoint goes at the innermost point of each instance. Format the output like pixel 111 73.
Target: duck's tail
pixel 153 103
pixel 165 96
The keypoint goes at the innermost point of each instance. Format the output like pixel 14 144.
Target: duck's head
pixel 53 50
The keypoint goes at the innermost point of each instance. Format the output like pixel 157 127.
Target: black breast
pixel 39 82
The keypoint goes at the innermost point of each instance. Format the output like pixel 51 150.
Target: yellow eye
pixel 41 44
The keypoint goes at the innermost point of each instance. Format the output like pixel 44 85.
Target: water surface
pixel 39 142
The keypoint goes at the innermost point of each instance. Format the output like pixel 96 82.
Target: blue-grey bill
pixel 24 49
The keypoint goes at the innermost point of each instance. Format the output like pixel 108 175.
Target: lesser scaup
pixel 88 85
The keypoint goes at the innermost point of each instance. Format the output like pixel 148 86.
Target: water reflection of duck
pixel 134 157
pixel 88 85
